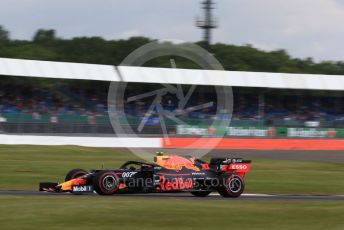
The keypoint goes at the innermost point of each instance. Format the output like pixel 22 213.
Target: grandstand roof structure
pixel 65 70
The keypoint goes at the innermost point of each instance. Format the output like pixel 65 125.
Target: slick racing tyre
pixel 105 183
pixel 75 173
pixel 231 186
pixel 201 193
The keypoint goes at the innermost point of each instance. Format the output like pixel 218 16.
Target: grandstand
pixel 53 97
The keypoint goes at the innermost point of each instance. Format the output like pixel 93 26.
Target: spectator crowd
pixel 37 102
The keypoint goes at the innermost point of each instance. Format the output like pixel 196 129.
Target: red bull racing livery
pixel 166 174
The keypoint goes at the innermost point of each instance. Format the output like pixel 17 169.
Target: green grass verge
pixel 23 167
pixel 81 212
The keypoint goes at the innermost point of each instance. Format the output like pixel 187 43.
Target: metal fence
pixel 80 125
pixel 65 128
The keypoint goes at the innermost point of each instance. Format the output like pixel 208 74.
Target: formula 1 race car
pixel 166 174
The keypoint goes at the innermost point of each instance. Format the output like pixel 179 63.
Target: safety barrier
pixel 110 142
pixel 183 143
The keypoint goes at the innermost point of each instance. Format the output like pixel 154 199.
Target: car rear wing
pixel 231 165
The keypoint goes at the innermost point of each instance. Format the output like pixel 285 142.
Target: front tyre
pixel 75 173
pixel 105 183
pixel 201 193
pixel 231 186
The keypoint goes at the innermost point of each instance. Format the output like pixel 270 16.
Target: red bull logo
pixel 175 184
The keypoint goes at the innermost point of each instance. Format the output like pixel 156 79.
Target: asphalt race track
pixel 320 156
pixel 186 196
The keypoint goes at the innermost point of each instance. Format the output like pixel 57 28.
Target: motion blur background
pixel 292 128
pixel 38 105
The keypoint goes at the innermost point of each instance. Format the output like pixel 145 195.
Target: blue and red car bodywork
pixel 166 174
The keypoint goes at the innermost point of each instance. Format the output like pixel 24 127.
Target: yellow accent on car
pixel 67 186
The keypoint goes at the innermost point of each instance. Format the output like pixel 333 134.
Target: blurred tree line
pixel 45 45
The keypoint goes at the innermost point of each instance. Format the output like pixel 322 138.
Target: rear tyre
pixel 231 186
pixel 201 193
pixel 105 183
pixel 75 173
